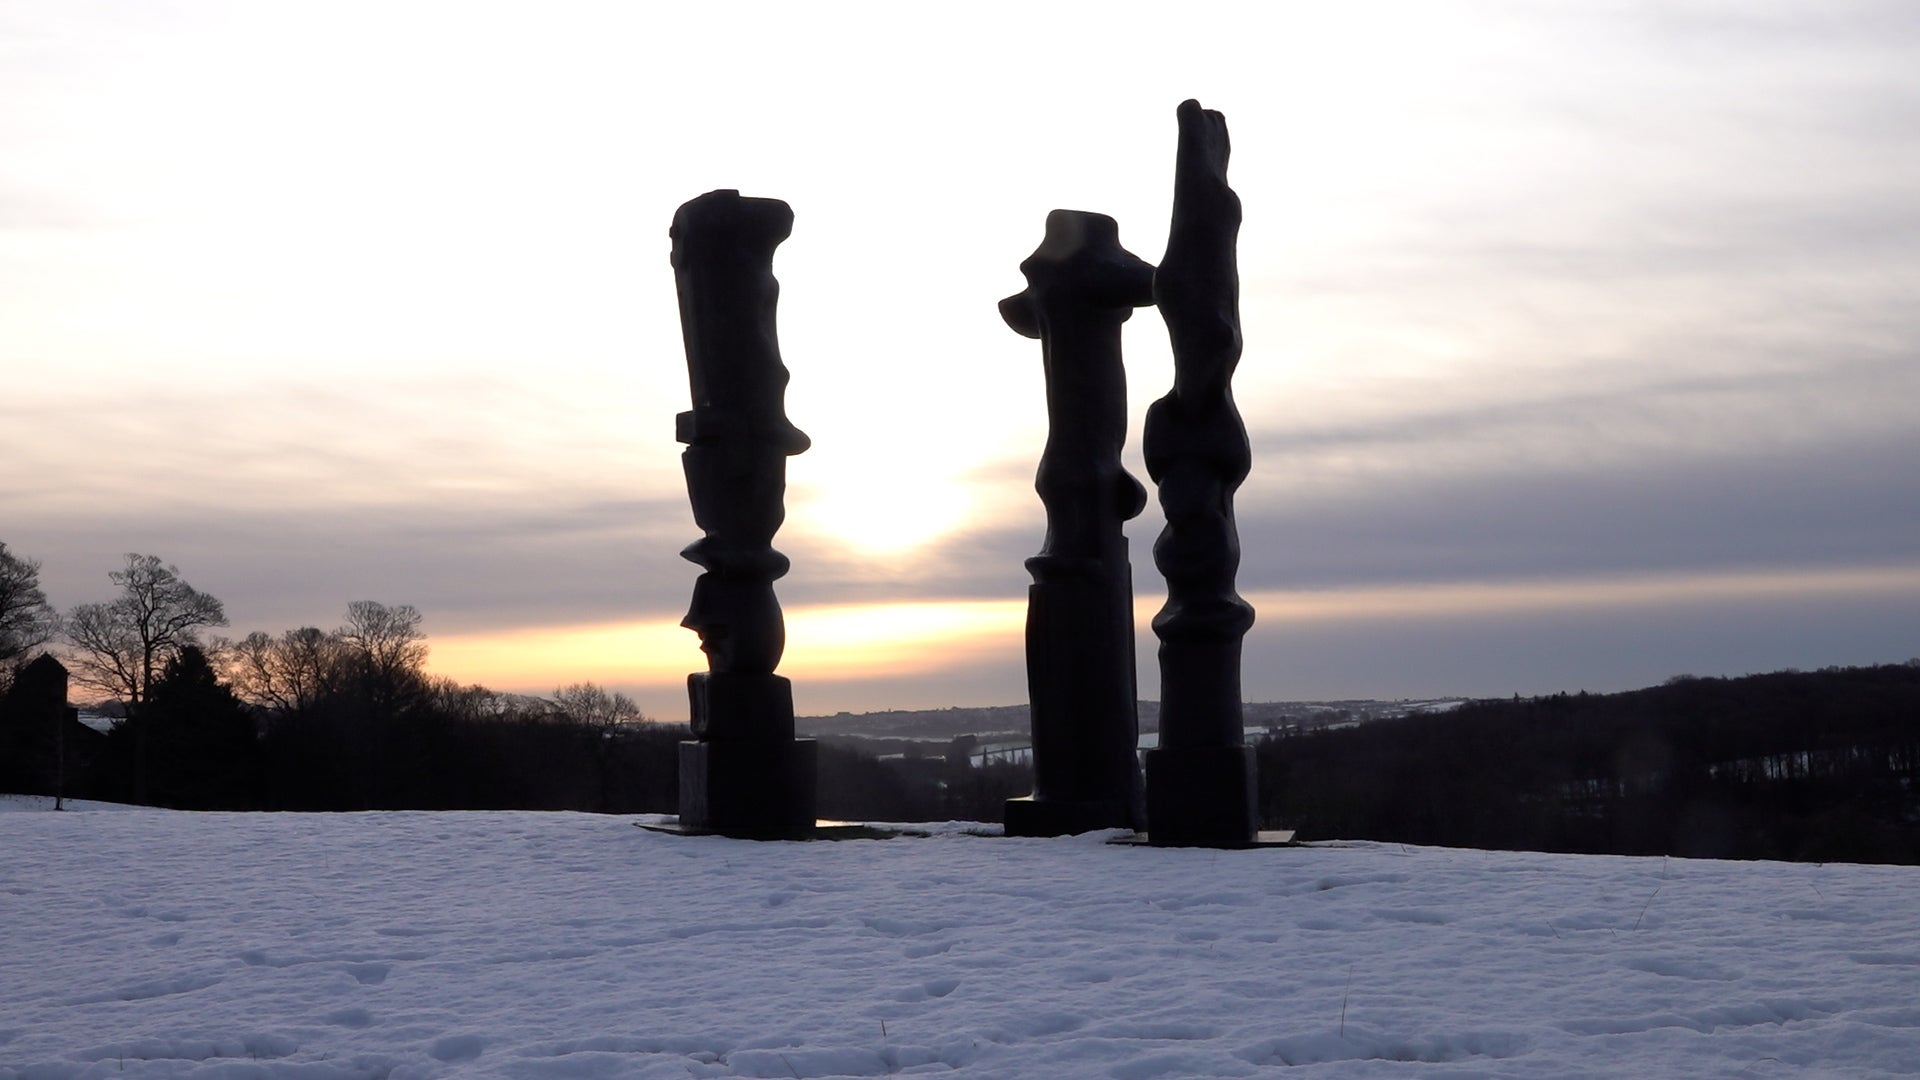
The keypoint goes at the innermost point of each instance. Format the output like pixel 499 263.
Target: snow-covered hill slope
pixel 145 944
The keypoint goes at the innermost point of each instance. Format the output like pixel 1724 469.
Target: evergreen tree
pixel 201 738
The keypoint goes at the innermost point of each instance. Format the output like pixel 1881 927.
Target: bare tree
pixel 26 620
pixel 290 673
pixel 469 703
pixel 389 638
pixel 388 646
pixel 605 717
pixel 590 704
pixel 120 646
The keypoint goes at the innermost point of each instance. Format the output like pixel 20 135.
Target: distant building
pixel 43 744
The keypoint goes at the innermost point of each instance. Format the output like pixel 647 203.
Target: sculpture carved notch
pixel 746 774
pixel 1081 286
pixel 1200 781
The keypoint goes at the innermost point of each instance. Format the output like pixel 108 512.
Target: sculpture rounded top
pixel 725 215
pixel 1079 261
pixel 723 246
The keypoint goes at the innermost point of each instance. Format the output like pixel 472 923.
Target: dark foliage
pixel 446 747
pixel 1816 766
pixel 855 786
pixel 348 719
pixel 1807 766
pixel 199 739
pixel 417 743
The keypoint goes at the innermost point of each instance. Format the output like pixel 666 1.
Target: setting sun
pixel 879 504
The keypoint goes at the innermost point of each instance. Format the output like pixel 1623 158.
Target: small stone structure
pixel 1201 778
pixel 1081 684
pixel 746 774
pixel 41 737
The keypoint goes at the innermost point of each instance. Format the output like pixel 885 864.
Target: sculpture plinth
pixel 1081 286
pixel 1201 780
pixel 746 775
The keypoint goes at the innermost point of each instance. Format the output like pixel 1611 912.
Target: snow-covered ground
pixel 145 943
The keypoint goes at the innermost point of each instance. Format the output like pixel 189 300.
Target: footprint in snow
pixel 1378 1046
pixel 256 1047
pixel 1345 881
pixel 152 988
pixel 368 974
pixel 1214 899
pixel 1422 916
pixel 1048 1023
pixel 1886 958
pixel 1676 968
pixel 1087 973
pixel 902 927
pixel 1706 1021
pixel 932 988
pixel 1150 1066
pixel 1151 1030
pixel 350 1018
pixel 456 1048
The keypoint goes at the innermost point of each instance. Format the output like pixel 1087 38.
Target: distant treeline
pixel 1794 765
pixel 402 740
pixel 1812 766
pixel 348 719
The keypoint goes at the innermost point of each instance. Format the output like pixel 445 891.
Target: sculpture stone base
pixel 1059 817
pixel 1205 796
pixel 761 790
pixel 728 706
pixel 1082 710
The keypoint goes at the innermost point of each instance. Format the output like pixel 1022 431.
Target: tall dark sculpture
pixel 1081 286
pixel 746 774
pixel 1201 779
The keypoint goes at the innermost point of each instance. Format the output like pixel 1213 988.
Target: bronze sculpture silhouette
pixel 1081 286
pixel 1201 778
pixel 746 774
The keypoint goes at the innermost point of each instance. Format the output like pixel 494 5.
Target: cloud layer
pixel 1533 297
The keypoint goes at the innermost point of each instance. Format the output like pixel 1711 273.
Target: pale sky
pixel 1581 338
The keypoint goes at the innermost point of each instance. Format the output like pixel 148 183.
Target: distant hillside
pixel 1815 766
pixel 942 725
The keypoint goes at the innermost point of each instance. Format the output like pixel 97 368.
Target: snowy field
pixel 144 943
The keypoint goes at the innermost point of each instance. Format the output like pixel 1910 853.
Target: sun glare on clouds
pixel 877 505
